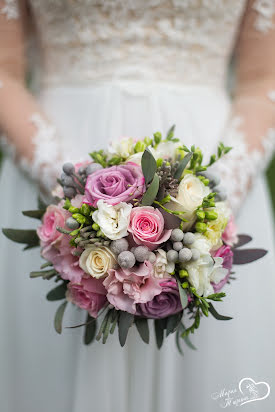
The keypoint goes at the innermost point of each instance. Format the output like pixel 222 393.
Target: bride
pixel 101 69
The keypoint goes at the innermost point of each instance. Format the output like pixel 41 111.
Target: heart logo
pixel 255 390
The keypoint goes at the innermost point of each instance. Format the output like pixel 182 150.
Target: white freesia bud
pixel 204 271
pixel 136 158
pixel 123 147
pixel 161 266
pixel 167 150
pixel 97 260
pixel 113 220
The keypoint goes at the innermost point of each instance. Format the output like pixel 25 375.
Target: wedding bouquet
pixel 142 231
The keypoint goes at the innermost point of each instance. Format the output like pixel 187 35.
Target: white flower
pixel 204 271
pixel 167 150
pixel 201 243
pixel 123 147
pixel 161 266
pixel 136 157
pixel 97 260
pixel 113 220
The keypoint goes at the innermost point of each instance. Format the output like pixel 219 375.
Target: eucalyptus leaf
pixel 107 327
pixel 159 333
pixel 216 315
pixel 178 338
pixel 149 165
pixel 43 273
pixel 187 339
pixel 36 214
pixel 183 163
pixel 183 295
pixel 173 322
pixel 242 240
pixel 41 203
pixel 143 328
pixel 59 317
pixel 243 256
pixel 57 293
pixel 151 193
pixel 125 322
pixel 90 330
pixel 28 237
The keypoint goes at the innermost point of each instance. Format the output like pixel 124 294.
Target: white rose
pixel 167 150
pixel 204 271
pixel 113 220
pixel 190 195
pixel 161 266
pixel 97 260
pixel 136 157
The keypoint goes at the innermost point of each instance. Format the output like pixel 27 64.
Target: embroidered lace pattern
pixel 266 11
pixel 243 164
pixel 10 9
pixel 176 41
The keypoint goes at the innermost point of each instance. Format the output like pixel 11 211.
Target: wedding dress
pixel 112 68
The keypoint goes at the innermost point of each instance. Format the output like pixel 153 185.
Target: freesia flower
pixel 127 287
pixel 226 254
pixel 164 304
pixel 215 228
pixel 113 220
pixel 97 260
pixel 89 295
pixel 147 227
pixel 115 184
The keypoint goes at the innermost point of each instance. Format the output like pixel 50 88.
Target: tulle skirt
pixel 41 371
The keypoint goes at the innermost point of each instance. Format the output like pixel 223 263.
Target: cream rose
pixel 113 220
pixel 97 260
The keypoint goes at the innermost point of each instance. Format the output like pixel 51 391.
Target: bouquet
pixel 141 231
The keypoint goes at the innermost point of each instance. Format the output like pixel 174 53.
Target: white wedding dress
pixel 114 68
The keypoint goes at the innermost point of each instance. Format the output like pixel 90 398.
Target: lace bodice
pixel 179 41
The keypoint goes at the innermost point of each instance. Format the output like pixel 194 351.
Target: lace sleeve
pixel 251 127
pixel 27 134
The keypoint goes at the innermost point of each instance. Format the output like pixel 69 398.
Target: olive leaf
pixel 28 237
pixel 159 332
pixel 151 193
pixel 184 162
pixel 36 214
pixel 183 295
pixel 57 293
pixel 59 317
pixel 125 322
pixel 173 322
pixel 216 315
pixel 243 256
pixel 149 165
pixel 143 329
pixel 90 330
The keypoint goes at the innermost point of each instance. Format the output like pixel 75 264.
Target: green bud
pixel 212 203
pixel 211 215
pixel 157 137
pixel 183 273
pixel 206 182
pixel 67 204
pixel 95 227
pixel 79 218
pixel 148 141
pixel 73 209
pixel 140 146
pixel 85 209
pixel 74 232
pixel 159 162
pixel 185 285
pixel 200 227
pixel 99 233
pixel 200 215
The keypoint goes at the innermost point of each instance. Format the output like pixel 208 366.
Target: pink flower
pixel 53 217
pixel 90 295
pixel 226 253
pixel 165 304
pixel 229 235
pixel 147 227
pixel 127 287
pixel 115 184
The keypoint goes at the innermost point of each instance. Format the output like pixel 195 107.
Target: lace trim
pixel 10 10
pixel 266 11
pixel 241 166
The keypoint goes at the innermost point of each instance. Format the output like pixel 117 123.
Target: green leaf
pixel 57 293
pixel 178 342
pixel 46 274
pixel 151 193
pixel 187 339
pixel 41 204
pixel 159 332
pixel 59 317
pixel 143 329
pixel 28 237
pixel 184 162
pixel 183 295
pixel 36 214
pixel 90 329
pixel 173 322
pixel 149 165
pixel 125 322
pixel 170 132
pixel 216 315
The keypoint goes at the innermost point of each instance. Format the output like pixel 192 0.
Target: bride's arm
pixel 251 129
pixel 22 123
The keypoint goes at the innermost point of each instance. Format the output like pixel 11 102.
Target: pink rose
pixel 127 287
pixel 115 184
pixel 229 235
pixel 226 253
pixel 90 295
pixel 147 227
pixel 53 217
pixel 165 304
